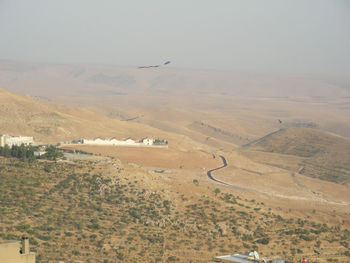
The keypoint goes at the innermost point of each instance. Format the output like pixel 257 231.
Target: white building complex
pixel 116 142
pixel 10 141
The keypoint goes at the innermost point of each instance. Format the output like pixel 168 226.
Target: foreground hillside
pixel 318 154
pixel 106 211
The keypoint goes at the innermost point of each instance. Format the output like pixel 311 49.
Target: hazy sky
pixel 303 36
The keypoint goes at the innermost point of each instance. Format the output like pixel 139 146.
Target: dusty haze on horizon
pixel 290 36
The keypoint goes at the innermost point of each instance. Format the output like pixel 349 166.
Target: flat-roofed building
pixel 13 251
pixel 248 257
pixel 10 141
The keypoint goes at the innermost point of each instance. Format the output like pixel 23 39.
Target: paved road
pixel 224 164
pixel 302 198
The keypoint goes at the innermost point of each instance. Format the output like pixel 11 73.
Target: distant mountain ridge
pixel 42 79
pixel 252 102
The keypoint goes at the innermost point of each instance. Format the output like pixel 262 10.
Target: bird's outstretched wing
pixel 155 66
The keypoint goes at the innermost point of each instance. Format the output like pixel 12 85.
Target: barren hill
pixel 228 107
pixel 49 122
pixel 43 79
pixel 319 154
pixel 158 203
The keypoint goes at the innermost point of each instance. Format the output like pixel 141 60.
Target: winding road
pixel 224 164
pixel 300 198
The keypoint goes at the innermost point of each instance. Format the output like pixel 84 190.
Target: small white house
pixel 148 141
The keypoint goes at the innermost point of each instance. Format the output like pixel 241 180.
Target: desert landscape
pixel 174 131
pixel 284 191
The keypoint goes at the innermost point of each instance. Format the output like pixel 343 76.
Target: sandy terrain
pixel 200 114
pixel 167 158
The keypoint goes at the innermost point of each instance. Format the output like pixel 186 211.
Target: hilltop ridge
pixel 321 154
pixel 49 122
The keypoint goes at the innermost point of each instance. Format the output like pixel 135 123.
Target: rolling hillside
pixel 158 204
pixel 106 212
pixel 320 154
pixel 42 79
pixel 239 106
pixel 48 122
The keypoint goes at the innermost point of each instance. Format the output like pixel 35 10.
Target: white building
pixel 13 251
pixel 10 141
pixel 148 141
pixel 113 141
pixel 124 142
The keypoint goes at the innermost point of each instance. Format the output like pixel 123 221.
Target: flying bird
pixel 279 121
pixel 156 66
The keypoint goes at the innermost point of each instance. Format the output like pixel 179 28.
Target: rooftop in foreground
pixel 248 257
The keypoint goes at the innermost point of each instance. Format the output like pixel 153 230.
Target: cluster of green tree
pixel 52 153
pixel 160 142
pixel 83 152
pixel 77 151
pixel 25 153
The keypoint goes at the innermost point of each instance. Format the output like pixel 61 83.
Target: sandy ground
pixel 162 158
pixel 280 188
pixel 258 179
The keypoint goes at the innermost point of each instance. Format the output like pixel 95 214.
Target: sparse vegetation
pixel 89 215
pixel 52 153
pixel 160 142
pixel 320 154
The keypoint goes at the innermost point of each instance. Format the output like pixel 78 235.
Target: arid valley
pixel 284 191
